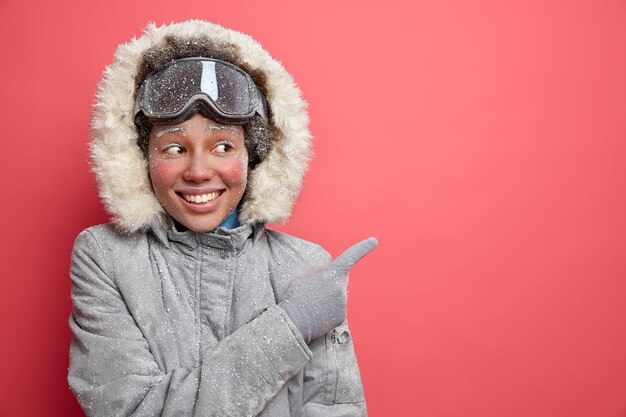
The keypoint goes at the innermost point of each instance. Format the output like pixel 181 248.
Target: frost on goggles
pixel 167 94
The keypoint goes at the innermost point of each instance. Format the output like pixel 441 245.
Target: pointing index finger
pixel 354 254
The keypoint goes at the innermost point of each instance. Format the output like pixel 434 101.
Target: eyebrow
pixel 170 130
pixel 219 127
pixel 183 131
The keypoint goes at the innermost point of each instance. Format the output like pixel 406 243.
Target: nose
pixel 198 169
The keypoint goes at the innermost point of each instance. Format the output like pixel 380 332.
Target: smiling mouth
pixel 200 198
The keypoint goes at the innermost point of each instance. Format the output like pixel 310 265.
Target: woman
pixel 186 305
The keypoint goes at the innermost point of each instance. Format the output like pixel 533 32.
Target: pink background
pixel 482 142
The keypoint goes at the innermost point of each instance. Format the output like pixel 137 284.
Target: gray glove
pixel 317 302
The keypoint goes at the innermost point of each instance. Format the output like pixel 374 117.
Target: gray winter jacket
pixel 186 324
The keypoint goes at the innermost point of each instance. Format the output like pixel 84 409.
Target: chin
pixel 201 226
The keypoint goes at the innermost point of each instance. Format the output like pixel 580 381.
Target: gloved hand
pixel 316 303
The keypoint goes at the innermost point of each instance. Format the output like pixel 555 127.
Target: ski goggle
pixel 226 91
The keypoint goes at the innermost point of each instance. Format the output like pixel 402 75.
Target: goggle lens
pixel 227 89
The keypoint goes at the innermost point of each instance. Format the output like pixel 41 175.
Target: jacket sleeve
pixel 332 381
pixel 114 373
pixel 330 384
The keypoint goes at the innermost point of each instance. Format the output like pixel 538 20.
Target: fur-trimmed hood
pixel 121 168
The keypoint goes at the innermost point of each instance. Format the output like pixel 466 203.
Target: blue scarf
pixel 231 221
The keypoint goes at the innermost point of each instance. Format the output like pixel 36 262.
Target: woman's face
pixel 198 170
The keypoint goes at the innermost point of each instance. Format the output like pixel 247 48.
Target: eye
pixel 223 147
pixel 173 150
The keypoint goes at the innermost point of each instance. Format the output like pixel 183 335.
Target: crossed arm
pixel 114 371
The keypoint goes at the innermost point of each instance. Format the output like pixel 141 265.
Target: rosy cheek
pixel 162 172
pixel 235 171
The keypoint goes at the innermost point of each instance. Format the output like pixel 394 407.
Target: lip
pixel 205 207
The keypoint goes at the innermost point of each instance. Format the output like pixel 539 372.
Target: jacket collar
pixel 232 240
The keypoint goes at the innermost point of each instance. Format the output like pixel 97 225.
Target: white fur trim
pixel 121 169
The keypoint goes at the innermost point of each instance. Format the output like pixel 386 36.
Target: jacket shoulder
pixel 106 245
pixel 295 254
pixel 290 257
pixel 283 246
pixel 107 236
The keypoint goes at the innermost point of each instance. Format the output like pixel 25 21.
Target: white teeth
pixel 201 198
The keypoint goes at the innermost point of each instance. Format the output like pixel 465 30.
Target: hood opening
pixel 279 154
